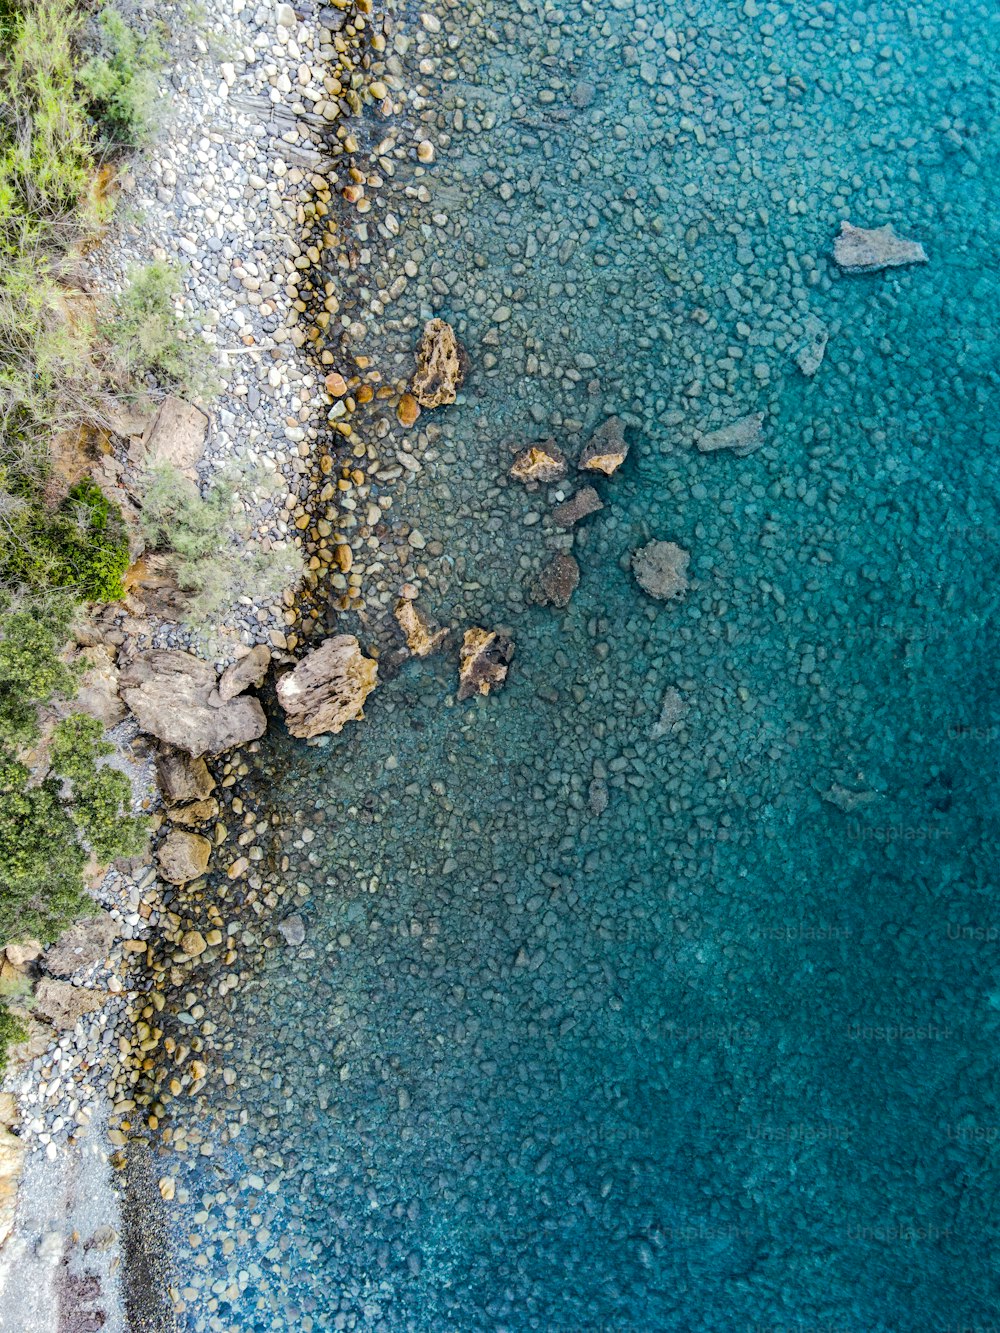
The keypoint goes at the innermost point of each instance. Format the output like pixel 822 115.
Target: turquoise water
pixel 602 1024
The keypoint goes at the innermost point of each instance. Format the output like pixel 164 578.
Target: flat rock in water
pixel 673 710
pixel 606 449
pixel 742 436
pixel 293 930
pixel 811 350
pixel 866 251
pixel 439 370
pixel 484 659
pixel 173 696
pixel 660 569
pixel 328 688
pixel 177 435
pixel 584 502
pixel 557 582
pixel 247 673
pixel 539 462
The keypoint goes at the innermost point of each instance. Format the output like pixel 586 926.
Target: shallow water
pixel 721 1055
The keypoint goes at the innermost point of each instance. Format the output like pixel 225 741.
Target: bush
pixel 120 80
pixel 83 545
pixel 12 1030
pixel 218 558
pixel 31 670
pixel 148 338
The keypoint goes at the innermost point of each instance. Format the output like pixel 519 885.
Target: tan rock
pixel 407 410
pixel 247 673
pixel 173 696
pixel 177 435
pixel 83 945
pixel 12 1151
pixel 540 462
pixel 439 370
pixel 97 692
pixel 182 778
pixel 586 501
pixel 484 658
pixel 193 943
pixel 335 384
pixel 660 569
pixel 183 856
pixel 328 688
pixel 422 635
pixel 62 1003
pixel 24 952
pixel 198 812
pixel 606 449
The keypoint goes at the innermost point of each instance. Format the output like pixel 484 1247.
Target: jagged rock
pixel 606 449
pixel 26 951
pixel 173 696
pixel 539 462
pixel 248 672
pixel 422 635
pixel 62 1003
pixel 742 436
pixel 152 585
pixel 439 370
pixel 293 930
pixel 672 712
pixel 597 796
pixel 866 251
pixel 183 856
pixel 811 350
pixel 177 435
pixel 84 944
pixel 584 502
pixel 182 777
pixel 557 582
pixel 660 569
pixel 97 693
pixel 328 688
pixel 484 658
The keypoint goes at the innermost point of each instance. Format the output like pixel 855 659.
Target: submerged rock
pixel 422 635
pixel 328 688
pixel 865 251
pixel 439 370
pixel 742 436
pixel 606 449
pixel 183 856
pixel 539 462
pixel 584 502
pixel 811 350
pixel 174 696
pixel 672 712
pixel 293 930
pixel 557 582
pixel 660 569
pixel 484 659
pixel 247 673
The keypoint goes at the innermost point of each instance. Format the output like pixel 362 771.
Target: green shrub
pixel 32 635
pixel 147 337
pixel 120 80
pixel 82 545
pixel 12 1030
pixel 217 556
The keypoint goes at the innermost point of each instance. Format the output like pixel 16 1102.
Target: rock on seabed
pixel 439 370
pixel 660 569
pixel 606 449
pixel 484 659
pixel 866 251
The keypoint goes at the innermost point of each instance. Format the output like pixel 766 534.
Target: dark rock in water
pixel 328 688
pixel 539 462
pixel 173 696
pixel 182 778
pixel 660 569
pixel 742 436
pixel 606 449
pixel 557 582
pixel 484 659
pixel 439 370
pixel 866 251
pixel 247 673
pixel 584 502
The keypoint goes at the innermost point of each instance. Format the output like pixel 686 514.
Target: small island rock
pixel 539 462
pixel 439 370
pixel 328 688
pixel 422 635
pixel 484 659
pixel 183 856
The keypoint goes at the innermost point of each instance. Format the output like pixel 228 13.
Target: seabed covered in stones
pixel 630 997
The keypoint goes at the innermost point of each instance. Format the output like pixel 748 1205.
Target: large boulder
pixel 422 635
pixel 97 692
pixel 247 673
pixel 557 581
pixel 83 945
pixel 183 856
pixel 177 435
pixel 860 250
pixel 439 370
pixel 606 449
pixel 174 696
pixel 483 661
pixel 660 569
pixel 182 778
pixel 62 1003
pixel 328 688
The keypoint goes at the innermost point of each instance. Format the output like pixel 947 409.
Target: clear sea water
pixel 722 1056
